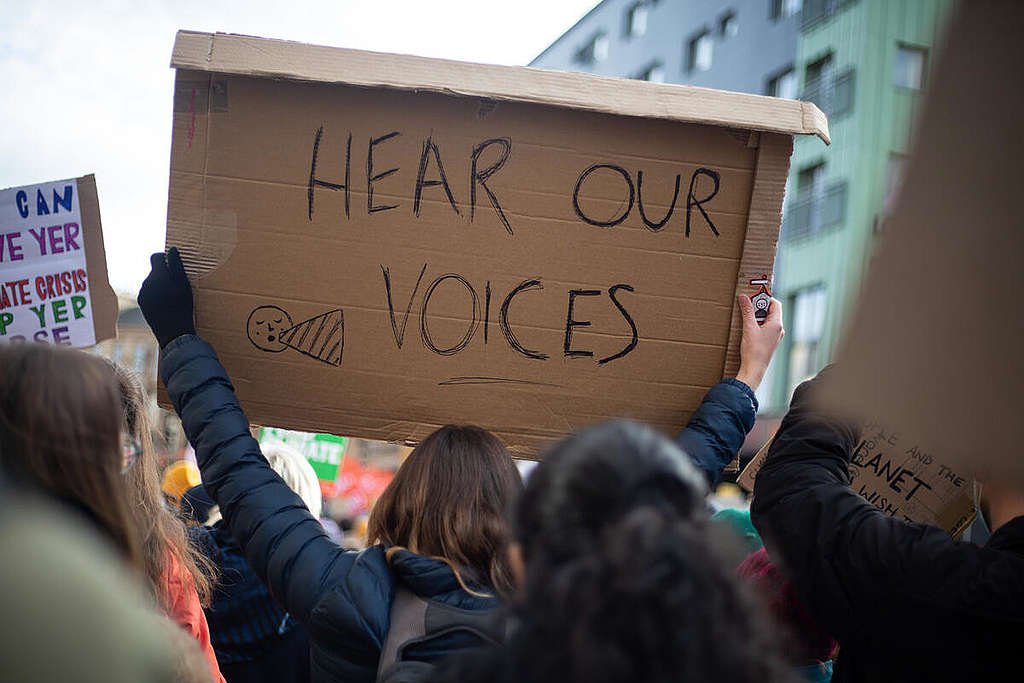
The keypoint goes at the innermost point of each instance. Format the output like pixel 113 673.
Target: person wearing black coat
pixel 343 598
pixel 905 601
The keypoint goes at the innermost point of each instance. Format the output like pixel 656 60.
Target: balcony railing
pixel 819 11
pixel 809 215
pixel 832 94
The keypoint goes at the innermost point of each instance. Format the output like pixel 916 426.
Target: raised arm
pixel 716 430
pixel 848 561
pixel 283 542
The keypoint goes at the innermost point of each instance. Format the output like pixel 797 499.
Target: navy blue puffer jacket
pixel 343 598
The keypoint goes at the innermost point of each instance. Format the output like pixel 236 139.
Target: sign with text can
pixel 383 244
pixel 53 267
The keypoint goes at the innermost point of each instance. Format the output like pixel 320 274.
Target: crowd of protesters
pixel 605 566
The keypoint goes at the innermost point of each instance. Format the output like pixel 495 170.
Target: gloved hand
pixel 166 298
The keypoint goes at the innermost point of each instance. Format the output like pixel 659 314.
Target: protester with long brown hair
pixel 65 429
pixel 60 421
pixel 445 502
pixel 438 535
pixel 179 575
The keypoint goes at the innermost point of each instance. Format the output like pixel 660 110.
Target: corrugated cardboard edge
pixel 101 295
pixel 762 238
pixel 746 478
pixel 262 57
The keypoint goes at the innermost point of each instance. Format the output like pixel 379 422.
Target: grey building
pixel 742 45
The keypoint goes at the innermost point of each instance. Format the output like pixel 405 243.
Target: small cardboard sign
pixel 53 274
pixel 897 475
pixel 383 244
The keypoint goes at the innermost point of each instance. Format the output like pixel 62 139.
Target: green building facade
pixel 865 63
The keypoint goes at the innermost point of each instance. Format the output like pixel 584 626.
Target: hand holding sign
pixel 166 298
pixel 759 340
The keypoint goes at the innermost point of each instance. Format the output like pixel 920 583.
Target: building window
pixel 908 69
pixel 781 9
pixel 783 85
pixel 596 50
pixel 699 51
pixel 655 73
pixel 819 70
pixel 728 25
pixel 806 329
pixel 819 11
pixel 636 20
pixel 815 207
pixel 833 93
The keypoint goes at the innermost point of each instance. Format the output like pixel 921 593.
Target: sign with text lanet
pixel 382 244
pixel 53 276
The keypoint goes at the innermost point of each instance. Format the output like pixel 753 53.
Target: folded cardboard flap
pixel 251 56
pixel 377 252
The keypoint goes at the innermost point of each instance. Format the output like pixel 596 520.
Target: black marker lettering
pixel 425 333
pixel 400 335
pixel 570 323
pixel 640 203
pixel 371 178
pixel 579 184
pixel 487 309
pixel 625 314
pixel 692 201
pixel 481 177
pixel 429 147
pixel 315 182
pixel 507 330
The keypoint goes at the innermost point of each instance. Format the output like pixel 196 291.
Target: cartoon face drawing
pixel 265 326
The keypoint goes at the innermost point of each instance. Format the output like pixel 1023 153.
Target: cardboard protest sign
pixel 324 452
pixel 53 268
pixel 934 344
pixel 382 244
pixel 900 477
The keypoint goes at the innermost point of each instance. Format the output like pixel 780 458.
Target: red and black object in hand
pixel 166 298
pixel 762 300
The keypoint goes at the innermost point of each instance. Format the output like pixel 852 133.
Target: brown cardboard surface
pixel 251 56
pixel 935 341
pixel 102 297
pixel 260 225
pixel 900 477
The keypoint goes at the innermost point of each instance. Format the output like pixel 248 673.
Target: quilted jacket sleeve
pixel 715 432
pixel 283 542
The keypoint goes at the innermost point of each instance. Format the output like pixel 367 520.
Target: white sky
pixel 87 87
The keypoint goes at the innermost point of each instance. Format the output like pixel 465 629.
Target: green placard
pixel 324 451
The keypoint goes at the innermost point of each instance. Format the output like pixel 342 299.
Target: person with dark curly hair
pixel 622 576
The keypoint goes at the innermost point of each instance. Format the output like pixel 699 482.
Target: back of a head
pixel 60 430
pixel 449 500
pixel 296 472
pixel 624 579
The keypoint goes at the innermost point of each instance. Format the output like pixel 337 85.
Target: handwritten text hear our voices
pixel 431 173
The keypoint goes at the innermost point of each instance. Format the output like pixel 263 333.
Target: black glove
pixel 166 298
